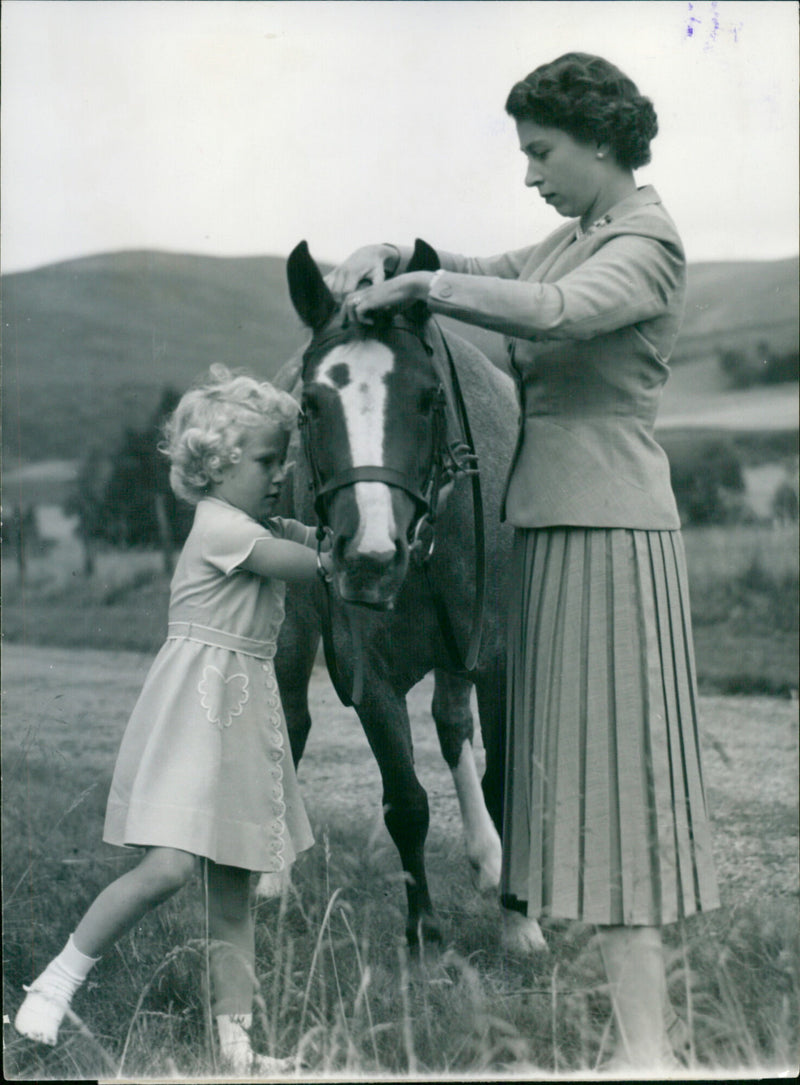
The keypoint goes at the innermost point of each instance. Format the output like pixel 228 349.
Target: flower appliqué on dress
pixel 222 698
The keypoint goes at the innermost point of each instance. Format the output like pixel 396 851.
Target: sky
pixel 240 128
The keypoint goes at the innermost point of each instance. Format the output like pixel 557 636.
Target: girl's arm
pixel 284 560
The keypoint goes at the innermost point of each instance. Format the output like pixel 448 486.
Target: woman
pixel 605 818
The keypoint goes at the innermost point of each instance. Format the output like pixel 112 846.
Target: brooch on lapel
pixel 596 225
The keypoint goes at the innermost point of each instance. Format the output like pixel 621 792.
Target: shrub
pixel 785 503
pixel 126 499
pixel 707 478
pixel 758 365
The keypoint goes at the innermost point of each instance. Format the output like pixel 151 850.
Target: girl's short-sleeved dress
pixel 205 764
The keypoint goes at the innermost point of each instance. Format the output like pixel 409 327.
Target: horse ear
pixel 310 295
pixel 424 257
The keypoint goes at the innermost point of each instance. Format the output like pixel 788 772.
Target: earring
pixel 601 154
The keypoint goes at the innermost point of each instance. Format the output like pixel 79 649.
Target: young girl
pixel 204 775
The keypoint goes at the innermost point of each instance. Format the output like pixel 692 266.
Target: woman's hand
pixel 368 264
pixel 396 293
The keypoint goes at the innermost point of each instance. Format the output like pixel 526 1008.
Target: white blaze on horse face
pixel 363 402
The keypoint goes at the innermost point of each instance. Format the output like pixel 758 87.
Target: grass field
pixel 744 589
pixel 744 592
pixel 336 981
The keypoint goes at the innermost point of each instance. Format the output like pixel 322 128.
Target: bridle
pixel 449 458
pixel 425 495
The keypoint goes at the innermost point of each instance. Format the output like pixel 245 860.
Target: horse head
pixel 372 425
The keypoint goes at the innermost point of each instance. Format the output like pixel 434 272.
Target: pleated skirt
pixel 605 812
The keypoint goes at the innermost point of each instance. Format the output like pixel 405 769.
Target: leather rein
pixel 448 459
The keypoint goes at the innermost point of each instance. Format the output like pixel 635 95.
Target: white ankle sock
pixel 232 1026
pixel 234 1039
pixel 235 1048
pixel 65 973
pixel 48 998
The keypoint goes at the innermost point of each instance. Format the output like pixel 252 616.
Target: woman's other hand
pixel 395 293
pixel 371 264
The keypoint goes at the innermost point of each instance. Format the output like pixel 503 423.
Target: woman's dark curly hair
pixel 591 100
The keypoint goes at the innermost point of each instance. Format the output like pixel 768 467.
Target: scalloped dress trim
pixel 277 754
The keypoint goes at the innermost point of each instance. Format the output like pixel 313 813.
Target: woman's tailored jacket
pixel 593 318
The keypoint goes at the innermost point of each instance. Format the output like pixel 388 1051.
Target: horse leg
pixel 491 693
pixel 519 932
pixel 384 717
pixel 452 714
pixel 294 662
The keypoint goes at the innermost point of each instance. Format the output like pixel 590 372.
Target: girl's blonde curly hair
pixel 206 430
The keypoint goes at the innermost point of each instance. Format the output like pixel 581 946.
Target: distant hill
pixel 88 345
pixel 738 304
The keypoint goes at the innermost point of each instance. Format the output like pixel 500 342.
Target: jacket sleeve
pixel 628 279
pixel 507 265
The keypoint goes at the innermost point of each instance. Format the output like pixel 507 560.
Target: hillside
pixel 736 304
pixel 88 344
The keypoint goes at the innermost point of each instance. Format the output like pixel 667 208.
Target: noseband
pixel 448 459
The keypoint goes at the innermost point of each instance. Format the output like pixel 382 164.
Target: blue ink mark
pixel 711 21
pixel 692 19
pixel 712 37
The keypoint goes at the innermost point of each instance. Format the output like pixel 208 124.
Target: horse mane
pixel 289 376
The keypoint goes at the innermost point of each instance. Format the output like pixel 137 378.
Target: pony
pixel 419 553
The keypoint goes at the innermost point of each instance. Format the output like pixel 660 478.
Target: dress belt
pixel 220 638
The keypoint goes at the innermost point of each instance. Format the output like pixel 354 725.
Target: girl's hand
pixel 371 263
pixel 395 293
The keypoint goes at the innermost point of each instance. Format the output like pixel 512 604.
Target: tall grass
pixel 337 987
pixel 336 984
pixel 745 607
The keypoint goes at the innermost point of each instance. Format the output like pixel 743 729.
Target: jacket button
pixel 445 290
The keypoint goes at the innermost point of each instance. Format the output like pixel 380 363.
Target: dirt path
pixel 57 699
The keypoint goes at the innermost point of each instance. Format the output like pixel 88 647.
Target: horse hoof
pixel 521 934
pixel 426 932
